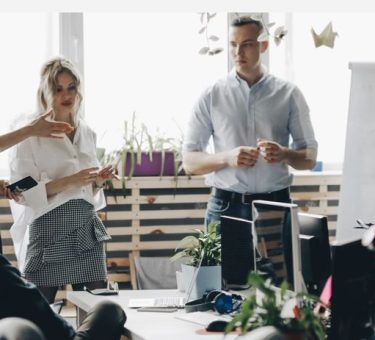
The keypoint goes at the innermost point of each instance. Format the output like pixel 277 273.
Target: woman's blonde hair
pixel 48 84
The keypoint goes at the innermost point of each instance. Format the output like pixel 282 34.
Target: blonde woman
pixel 57 234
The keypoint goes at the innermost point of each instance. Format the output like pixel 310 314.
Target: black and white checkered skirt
pixel 66 246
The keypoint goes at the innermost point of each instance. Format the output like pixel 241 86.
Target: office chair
pixel 153 272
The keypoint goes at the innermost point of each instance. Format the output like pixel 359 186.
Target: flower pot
pixel 296 335
pixel 265 332
pixel 151 166
pixel 205 279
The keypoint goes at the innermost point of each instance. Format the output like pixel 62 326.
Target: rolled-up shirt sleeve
pixel 22 165
pixel 199 129
pixel 300 125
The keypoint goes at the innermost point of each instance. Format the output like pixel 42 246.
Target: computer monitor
pixel 315 251
pixel 353 291
pixel 237 252
pixel 276 236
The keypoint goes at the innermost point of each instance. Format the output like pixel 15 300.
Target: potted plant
pixel 202 271
pixel 146 155
pixel 270 310
pixel 143 154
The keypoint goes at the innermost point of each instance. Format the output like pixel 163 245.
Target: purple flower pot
pixel 151 168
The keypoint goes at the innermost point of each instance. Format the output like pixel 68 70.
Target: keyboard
pixel 170 301
pixel 161 302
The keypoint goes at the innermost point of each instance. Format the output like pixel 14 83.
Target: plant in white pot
pixel 202 271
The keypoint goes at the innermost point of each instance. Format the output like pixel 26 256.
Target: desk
pixel 147 325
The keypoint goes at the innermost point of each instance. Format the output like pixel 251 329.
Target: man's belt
pixel 235 197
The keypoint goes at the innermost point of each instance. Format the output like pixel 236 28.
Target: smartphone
pixel 23 184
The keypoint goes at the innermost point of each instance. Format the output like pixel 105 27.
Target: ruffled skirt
pixel 66 246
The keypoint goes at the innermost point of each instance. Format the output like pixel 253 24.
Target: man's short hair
pixel 239 21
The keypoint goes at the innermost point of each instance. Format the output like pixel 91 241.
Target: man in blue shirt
pixel 250 116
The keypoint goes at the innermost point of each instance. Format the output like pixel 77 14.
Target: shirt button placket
pixel 252 180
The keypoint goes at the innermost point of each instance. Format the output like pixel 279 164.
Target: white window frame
pixel 71 38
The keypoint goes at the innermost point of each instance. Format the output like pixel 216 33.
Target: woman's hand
pixel 41 127
pixel 105 174
pixel 4 191
pixel 79 179
pixel 84 177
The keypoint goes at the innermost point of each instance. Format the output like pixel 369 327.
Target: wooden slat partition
pixel 157 212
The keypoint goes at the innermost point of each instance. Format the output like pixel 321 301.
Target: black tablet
pixel 23 184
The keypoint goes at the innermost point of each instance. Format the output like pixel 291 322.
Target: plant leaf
pixel 178 256
pixel 211 15
pixel 215 51
pixel 132 164
pixel 256 16
pixel 213 38
pixel 263 36
pixel 188 242
pixel 202 17
pixel 280 32
pixel 202 30
pixel 212 227
pixel 204 50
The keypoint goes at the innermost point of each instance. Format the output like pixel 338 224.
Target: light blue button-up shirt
pixel 235 114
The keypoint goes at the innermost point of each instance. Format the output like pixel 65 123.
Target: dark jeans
pixel 217 207
pixel 105 321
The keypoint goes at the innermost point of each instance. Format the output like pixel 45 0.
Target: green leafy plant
pixel 268 311
pixel 204 249
pixel 137 140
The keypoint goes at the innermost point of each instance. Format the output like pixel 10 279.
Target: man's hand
pixel 243 157
pixel 41 127
pixel 271 151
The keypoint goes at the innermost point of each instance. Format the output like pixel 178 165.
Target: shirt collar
pixel 235 80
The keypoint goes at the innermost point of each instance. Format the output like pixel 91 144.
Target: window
pixel 322 73
pixel 30 39
pixel 147 63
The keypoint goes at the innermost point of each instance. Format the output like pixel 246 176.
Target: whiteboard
pixel 357 194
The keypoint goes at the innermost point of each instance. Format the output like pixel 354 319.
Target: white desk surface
pixel 149 325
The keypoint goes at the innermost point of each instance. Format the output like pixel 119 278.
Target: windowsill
pixel 316 173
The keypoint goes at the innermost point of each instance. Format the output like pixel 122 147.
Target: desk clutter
pixel 144 226
pixel 150 220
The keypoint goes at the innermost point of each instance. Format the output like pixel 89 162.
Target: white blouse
pixel 47 159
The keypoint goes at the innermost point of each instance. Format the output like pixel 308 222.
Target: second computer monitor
pixel 237 251
pixel 315 251
pixel 276 235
